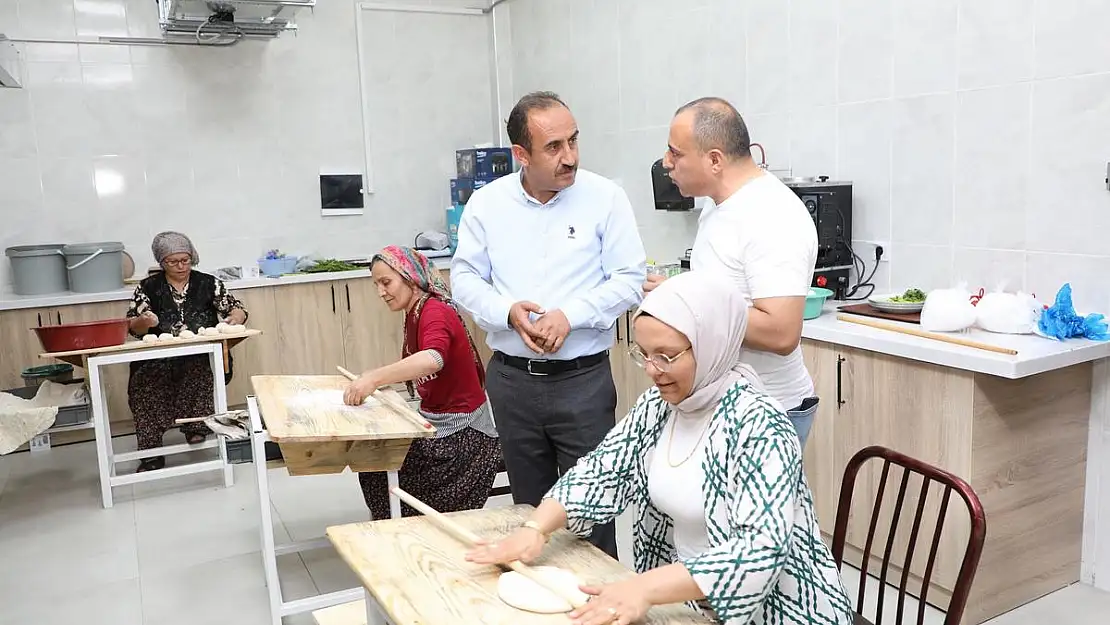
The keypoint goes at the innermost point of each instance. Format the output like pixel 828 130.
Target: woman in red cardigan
pixel 455 470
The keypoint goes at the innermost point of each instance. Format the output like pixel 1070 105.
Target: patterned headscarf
pixel 417 271
pixel 414 267
pixel 170 242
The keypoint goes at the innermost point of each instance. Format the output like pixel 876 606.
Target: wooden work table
pixel 318 434
pixel 77 357
pixel 415 572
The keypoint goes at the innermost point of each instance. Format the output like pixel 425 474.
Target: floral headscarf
pixel 417 271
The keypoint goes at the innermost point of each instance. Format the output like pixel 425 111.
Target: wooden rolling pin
pixel 927 335
pixel 471 539
pixel 396 405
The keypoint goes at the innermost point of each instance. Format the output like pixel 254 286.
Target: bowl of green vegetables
pixel 909 301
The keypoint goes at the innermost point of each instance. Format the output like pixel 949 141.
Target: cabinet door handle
pixel 40 320
pixel 347 287
pixel 59 317
pixel 840 380
pixel 333 298
pixel 628 328
pixel 618 331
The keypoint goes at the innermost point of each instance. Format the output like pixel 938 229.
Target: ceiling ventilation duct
pixel 11 64
pixel 212 20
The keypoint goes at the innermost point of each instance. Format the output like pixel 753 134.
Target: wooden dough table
pixel 318 434
pixel 414 573
pixel 216 347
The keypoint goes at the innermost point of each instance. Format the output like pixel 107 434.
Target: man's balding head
pixel 708 148
pixel 717 125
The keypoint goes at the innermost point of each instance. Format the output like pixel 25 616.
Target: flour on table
pixel 331 398
pixel 522 593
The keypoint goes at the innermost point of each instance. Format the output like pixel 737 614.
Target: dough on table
pixel 165 336
pixel 221 326
pixel 232 329
pixel 186 334
pixel 149 338
pixel 522 593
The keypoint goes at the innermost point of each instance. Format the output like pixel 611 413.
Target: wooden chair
pixel 929 474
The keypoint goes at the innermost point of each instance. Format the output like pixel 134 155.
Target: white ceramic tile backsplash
pixel 121 142
pixel 992 167
pixel 976 132
pixel 995 42
pixel 922 169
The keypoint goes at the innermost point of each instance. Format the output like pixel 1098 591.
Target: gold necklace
pixel 670 440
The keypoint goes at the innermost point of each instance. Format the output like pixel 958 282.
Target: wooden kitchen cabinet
pixel 310 328
pixel 21 348
pixel 260 354
pixel 1020 444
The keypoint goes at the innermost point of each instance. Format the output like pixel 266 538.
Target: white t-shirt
pixel 763 238
pixel 677 491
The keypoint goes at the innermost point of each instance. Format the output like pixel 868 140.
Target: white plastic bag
pixel 948 310
pixel 1008 313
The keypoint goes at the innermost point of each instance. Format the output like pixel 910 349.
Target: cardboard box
pixel 483 163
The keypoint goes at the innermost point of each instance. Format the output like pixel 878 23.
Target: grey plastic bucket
pixel 95 267
pixel 38 269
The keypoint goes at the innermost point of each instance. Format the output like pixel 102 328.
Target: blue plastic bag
pixel 1061 322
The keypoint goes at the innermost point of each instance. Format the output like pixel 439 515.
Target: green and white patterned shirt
pixel 766 561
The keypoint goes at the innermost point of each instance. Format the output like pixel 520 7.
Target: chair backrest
pixel 929 475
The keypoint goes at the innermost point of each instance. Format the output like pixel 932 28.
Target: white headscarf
pixel 713 315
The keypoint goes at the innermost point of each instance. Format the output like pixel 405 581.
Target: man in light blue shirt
pixel 548 258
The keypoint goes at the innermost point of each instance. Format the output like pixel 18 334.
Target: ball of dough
pixel 221 326
pixel 165 336
pixel 150 338
pixel 211 332
pixel 228 328
pixel 186 334
pixel 522 593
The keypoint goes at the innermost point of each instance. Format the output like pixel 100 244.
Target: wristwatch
pixel 536 526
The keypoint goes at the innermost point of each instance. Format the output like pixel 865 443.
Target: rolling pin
pixel 397 406
pixel 471 540
pixel 928 335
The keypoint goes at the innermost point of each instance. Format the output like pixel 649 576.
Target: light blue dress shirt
pixel 580 253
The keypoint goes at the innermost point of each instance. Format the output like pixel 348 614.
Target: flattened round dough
pixel 522 593
pixel 165 336
pixel 186 334
pixel 233 329
pixel 149 338
pixel 221 325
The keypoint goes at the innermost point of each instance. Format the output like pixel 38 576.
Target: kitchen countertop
pixel 1035 354
pixel 10 301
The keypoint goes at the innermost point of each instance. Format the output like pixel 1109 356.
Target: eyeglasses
pixel 662 362
pixel 181 262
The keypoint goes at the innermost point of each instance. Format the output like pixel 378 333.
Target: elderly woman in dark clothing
pixel 175 299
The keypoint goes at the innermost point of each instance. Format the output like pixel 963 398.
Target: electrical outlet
pixel 866 251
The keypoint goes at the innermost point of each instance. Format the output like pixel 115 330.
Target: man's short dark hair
pixel 719 126
pixel 517 125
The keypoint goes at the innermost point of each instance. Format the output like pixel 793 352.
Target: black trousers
pixel 546 423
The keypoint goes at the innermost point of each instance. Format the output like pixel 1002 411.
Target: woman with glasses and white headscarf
pixel 744 547
pixel 173 300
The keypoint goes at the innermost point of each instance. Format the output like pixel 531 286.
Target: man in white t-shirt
pixel 759 234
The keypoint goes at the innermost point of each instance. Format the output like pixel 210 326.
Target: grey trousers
pixel 546 423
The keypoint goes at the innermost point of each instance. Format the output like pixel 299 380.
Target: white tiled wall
pixel 976 132
pixel 121 142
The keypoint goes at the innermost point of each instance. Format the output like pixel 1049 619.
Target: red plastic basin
pixel 70 337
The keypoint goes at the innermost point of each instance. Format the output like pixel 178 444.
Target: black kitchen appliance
pixel 667 195
pixel 830 205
